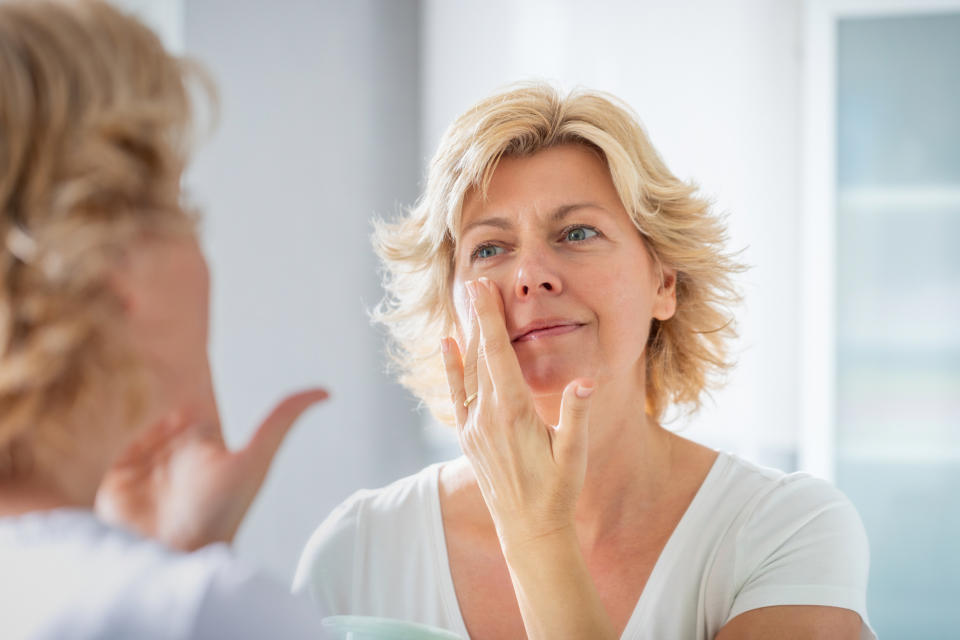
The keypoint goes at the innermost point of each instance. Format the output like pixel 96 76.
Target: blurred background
pixel 828 130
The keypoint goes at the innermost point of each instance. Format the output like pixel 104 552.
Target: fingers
pixel 155 438
pixel 571 434
pixel 484 382
pixel 495 341
pixel 270 434
pixel 470 353
pixel 453 367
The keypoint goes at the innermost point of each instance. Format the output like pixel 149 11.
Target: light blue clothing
pixel 66 574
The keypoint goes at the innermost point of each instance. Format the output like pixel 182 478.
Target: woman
pixel 105 389
pixel 587 288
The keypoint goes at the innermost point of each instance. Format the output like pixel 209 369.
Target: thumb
pixel 270 434
pixel 574 422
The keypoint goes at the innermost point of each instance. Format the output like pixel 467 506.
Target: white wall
pixel 318 132
pixel 717 86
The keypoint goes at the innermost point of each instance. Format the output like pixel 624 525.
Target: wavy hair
pixel 95 123
pixel 686 354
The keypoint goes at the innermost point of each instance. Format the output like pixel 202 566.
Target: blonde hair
pixel 685 354
pixel 95 122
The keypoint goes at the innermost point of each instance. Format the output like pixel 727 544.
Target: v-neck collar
pixel 667 556
pixel 673 548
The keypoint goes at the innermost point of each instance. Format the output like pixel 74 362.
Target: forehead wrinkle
pixel 563 211
pixel 558 214
pixel 498 222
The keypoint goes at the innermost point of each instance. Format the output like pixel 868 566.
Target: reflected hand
pixel 530 473
pixel 179 483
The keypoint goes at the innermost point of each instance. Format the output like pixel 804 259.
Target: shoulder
pixel 206 593
pixel 368 519
pixel 798 541
pixel 371 510
pixel 243 602
pixel 115 556
pixel 72 575
pixel 782 506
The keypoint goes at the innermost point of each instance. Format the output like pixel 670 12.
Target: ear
pixel 131 278
pixel 120 280
pixel 665 301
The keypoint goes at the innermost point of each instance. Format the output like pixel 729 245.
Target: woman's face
pixel 579 287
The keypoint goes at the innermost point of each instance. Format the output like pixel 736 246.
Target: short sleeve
pixel 804 544
pixel 326 573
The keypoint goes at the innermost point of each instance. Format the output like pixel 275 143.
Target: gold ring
pixel 470 398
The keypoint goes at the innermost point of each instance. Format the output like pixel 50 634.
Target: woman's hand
pixel 179 483
pixel 530 473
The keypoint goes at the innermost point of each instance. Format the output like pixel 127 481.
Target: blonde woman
pixel 105 390
pixel 581 285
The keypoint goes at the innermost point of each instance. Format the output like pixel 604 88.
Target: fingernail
pixel 584 391
pixel 444 345
pixel 471 289
pixel 485 282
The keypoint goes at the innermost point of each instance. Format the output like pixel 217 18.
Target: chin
pixel 548 376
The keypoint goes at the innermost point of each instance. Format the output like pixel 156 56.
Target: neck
pixel 630 458
pixel 65 468
pixel 58 479
pixel 20 498
pixel 630 466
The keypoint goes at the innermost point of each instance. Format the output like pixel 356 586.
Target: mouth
pixel 539 330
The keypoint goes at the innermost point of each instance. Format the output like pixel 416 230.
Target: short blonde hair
pixel 685 354
pixel 95 122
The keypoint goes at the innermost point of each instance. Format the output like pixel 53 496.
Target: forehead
pixel 558 176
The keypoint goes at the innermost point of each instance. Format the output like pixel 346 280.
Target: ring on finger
pixel 470 398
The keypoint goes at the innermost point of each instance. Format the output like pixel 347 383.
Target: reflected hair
pixel 95 129
pixel 685 355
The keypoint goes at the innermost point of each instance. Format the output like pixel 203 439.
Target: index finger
pixel 497 348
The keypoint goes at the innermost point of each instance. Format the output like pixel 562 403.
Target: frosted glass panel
pixel 898 323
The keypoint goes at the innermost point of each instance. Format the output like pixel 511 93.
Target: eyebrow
pixel 558 214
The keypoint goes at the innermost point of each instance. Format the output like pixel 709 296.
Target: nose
pixel 535 275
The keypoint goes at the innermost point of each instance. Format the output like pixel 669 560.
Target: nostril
pixel 548 286
pixel 526 289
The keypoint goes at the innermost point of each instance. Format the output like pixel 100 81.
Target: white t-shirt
pixel 66 574
pixel 752 537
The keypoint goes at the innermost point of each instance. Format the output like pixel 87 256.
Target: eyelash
pixel 475 255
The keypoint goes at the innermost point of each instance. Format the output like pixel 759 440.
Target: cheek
pixel 625 311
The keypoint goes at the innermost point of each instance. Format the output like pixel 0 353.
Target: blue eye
pixel 579 234
pixel 485 251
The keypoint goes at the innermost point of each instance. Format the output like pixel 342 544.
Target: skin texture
pixel 572 516
pixel 793 623
pixel 606 284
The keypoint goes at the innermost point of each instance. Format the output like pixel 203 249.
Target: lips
pixel 544 329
